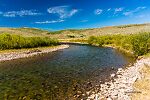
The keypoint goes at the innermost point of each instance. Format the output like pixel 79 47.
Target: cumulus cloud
pixel 20 13
pixel 131 12
pixel 98 11
pixel 50 22
pixel 62 11
pixel 118 10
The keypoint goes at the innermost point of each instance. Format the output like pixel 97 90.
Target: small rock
pixel 112 75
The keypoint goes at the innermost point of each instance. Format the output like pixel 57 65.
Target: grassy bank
pixel 139 43
pixel 9 41
pixel 142 85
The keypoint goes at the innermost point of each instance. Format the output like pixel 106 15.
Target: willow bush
pixel 138 43
pixel 9 41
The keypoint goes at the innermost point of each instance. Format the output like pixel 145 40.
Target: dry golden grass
pixel 82 33
pixel 28 32
pixel 132 29
pixel 143 85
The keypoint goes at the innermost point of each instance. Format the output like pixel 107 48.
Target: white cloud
pixel 131 12
pixel 139 8
pixel 118 10
pixel 1 12
pixel 50 22
pixel 83 21
pixel 62 11
pixel 98 11
pixel 73 12
pixel 109 9
pixel 21 13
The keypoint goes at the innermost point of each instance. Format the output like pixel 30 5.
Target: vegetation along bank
pixel 10 41
pixel 16 46
pixel 139 43
pixel 129 83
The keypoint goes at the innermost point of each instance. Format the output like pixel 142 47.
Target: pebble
pixel 122 86
pixel 28 53
pixel 112 75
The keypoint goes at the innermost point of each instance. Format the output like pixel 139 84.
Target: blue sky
pixel 68 14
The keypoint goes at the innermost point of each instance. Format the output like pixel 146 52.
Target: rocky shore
pixel 4 56
pixel 121 87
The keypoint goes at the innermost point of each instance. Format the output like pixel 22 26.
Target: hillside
pixel 24 31
pixel 80 33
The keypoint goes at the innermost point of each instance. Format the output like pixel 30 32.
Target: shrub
pixel 55 32
pixel 71 36
pixel 95 41
pixel 92 40
pixel 8 41
pixel 138 43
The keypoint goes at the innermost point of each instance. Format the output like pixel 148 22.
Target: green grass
pixel 137 43
pixel 55 32
pixel 9 41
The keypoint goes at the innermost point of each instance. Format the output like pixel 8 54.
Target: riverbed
pixel 63 74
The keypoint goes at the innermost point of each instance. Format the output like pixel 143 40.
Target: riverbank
pixel 142 85
pixel 121 88
pixel 22 53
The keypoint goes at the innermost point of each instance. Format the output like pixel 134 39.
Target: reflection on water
pixel 65 74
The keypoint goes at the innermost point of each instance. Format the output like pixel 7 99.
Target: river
pixel 64 74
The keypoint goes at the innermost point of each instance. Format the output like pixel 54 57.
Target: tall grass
pixel 137 43
pixel 8 41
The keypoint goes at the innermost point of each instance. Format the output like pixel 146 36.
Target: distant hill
pixel 24 31
pixel 79 33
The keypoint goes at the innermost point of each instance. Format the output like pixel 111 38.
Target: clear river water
pixel 61 75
